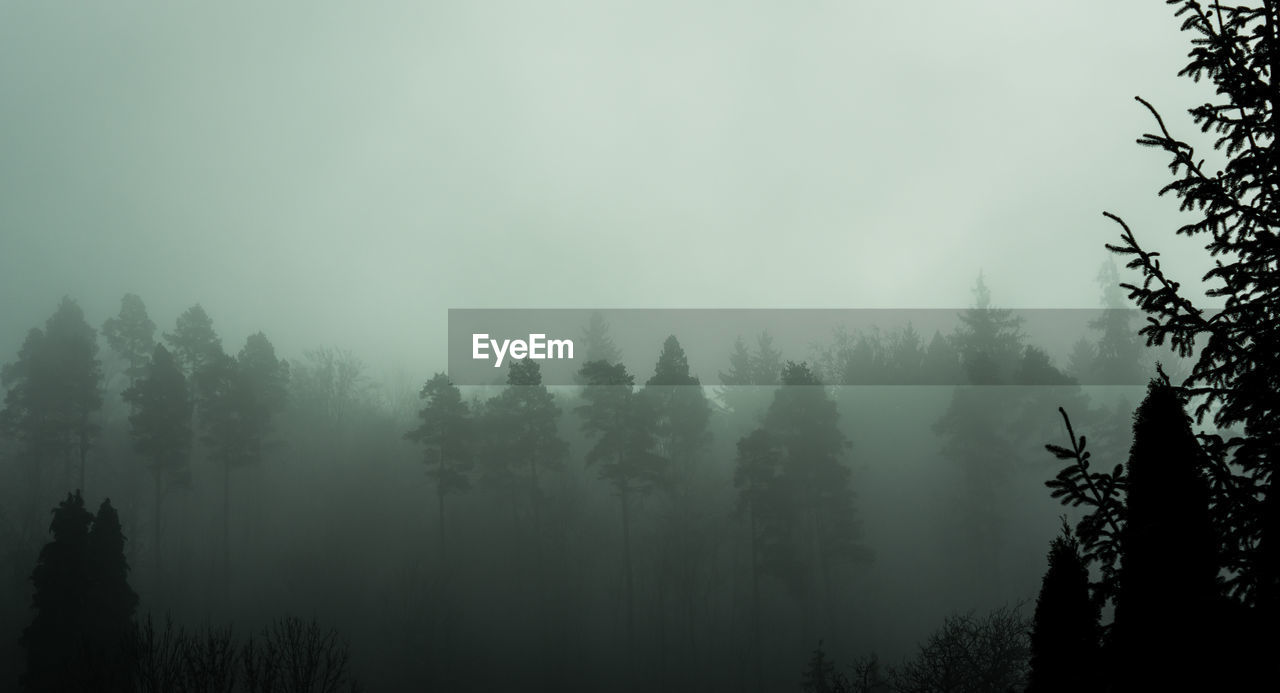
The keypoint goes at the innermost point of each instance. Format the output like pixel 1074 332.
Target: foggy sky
pixel 342 173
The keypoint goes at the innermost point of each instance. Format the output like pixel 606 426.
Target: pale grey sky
pixel 341 173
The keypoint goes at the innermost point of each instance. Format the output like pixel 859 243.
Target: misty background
pixel 339 176
pixel 345 174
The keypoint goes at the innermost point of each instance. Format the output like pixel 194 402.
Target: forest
pixel 977 510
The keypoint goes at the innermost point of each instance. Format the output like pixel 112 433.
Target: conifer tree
pixel 161 430
pixel 60 599
pixel 1168 564
pixel 131 335
pixel 445 433
pixel 622 426
pixel 53 395
pixel 1065 635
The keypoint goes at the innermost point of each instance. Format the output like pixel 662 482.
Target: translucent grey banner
pixel 841 346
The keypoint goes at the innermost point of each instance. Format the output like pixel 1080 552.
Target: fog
pixel 340 175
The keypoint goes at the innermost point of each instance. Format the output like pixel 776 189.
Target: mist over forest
pixel 867 396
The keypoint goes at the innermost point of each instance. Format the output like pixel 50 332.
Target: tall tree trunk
pixel 755 596
pixel 226 530
pixel 626 564
pixel 156 531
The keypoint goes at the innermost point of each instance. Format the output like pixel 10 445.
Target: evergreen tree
pixel 131 335
pixel 193 341
pixel 597 343
pixel 111 601
pixel 941 362
pixel 817 522
pixel 53 394
pixel 445 432
pixel 239 399
pixel 762 498
pixel 1065 635
pixel 521 437
pixel 1237 373
pixel 1168 563
pixel 60 599
pixel 83 604
pixel 1118 359
pixel 681 416
pixel 622 425
pixel 161 430
pixel 990 339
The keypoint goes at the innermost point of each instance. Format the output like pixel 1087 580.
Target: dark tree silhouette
pixel 83 604
pixel 445 432
pixel 239 399
pixel 622 424
pixel 1237 374
pixel 521 439
pixel 1168 564
pixel 110 600
pixel 161 430
pixel 60 599
pixel 814 520
pixel 1066 631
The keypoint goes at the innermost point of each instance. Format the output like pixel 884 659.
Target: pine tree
pixel 131 335
pixel 521 440
pixel 622 425
pixel 161 430
pixel 814 519
pixel 193 341
pixel 445 432
pixel 1065 635
pixel 53 395
pixel 239 399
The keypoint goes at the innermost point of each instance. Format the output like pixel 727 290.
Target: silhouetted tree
pixel 131 335
pixel 816 523
pixel 989 339
pixel 193 341
pixel 681 417
pixel 53 394
pixel 161 429
pixel 83 604
pixel 110 600
pixel 240 399
pixel 521 438
pixel 60 598
pixel 622 424
pixel 1065 634
pixel 762 497
pixel 445 432
pixel 1168 563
